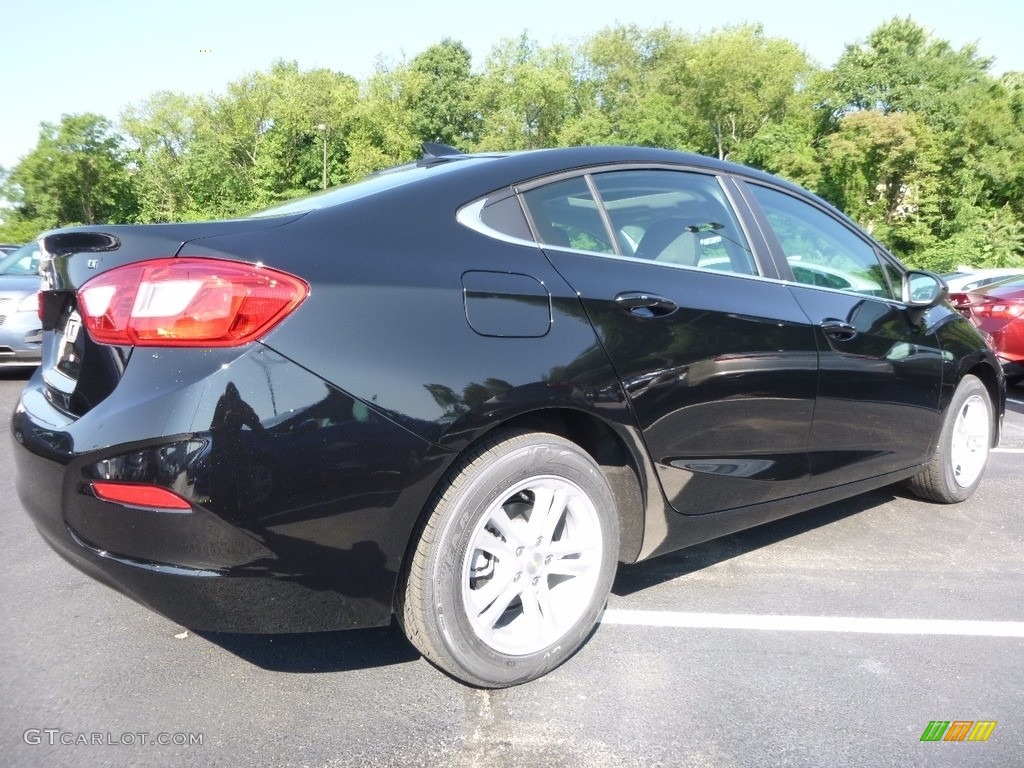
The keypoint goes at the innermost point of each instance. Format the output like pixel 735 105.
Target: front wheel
pixel 961 454
pixel 514 565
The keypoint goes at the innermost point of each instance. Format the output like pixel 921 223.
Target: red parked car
pixel 998 310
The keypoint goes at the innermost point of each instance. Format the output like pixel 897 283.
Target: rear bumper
pixel 247 598
pixel 320 549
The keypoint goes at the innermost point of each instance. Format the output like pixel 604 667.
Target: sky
pixel 69 56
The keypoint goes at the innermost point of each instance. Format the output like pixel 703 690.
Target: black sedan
pixel 461 391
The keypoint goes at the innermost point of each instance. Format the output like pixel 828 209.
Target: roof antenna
pixel 434 150
pixel 436 154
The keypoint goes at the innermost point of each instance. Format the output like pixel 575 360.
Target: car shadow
pixel 634 578
pixel 350 650
pixel 1015 399
pixel 341 651
pixel 16 373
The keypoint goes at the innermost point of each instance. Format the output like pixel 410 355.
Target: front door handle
pixel 643 304
pixel 838 329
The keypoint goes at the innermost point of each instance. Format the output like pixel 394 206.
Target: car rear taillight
pixel 1000 309
pixel 187 302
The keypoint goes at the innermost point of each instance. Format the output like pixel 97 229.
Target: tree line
pixel 916 140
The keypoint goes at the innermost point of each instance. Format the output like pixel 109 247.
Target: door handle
pixel 645 304
pixel 838 329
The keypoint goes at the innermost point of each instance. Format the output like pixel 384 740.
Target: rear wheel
pixel 958 463
pixel 515 562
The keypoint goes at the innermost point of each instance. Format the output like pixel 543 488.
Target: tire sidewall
pixel 969 386
pixel 547 455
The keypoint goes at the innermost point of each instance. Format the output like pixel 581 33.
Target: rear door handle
pixel 643 304
pixel 838 329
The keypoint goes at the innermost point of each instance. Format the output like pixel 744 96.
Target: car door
pixel 719 365
pixel 880 368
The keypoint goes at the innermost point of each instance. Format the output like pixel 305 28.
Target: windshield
pixel 23 261
pixel 377 182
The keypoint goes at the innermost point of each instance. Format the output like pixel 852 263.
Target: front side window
pixel 820 250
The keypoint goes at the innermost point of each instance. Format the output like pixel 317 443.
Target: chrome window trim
pixel 588 172
pixel 469 216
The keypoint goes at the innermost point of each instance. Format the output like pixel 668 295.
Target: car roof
pixel 481 173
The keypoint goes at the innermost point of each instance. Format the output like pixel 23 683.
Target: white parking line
pixel 1008 450
pixel 1011 400
pixel 814 623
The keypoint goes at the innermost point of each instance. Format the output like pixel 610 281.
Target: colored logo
pixel 958 730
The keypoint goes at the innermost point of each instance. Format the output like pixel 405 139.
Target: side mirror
pixel 923 290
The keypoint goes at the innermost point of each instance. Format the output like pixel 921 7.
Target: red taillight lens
pixel 1000 309
pixel 187 302
pixel 139 495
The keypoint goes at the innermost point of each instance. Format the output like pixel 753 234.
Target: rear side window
pixel 566 215
pixel 821 250
pixel 664 216
pixel 674 217
pixel 506 216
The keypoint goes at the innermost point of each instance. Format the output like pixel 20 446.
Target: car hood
pixel 19 283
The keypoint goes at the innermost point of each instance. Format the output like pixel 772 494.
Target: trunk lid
pixel 78 373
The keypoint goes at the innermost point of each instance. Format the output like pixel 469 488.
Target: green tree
pixel 271 136
pixel 403 105
pixel 525 95
pixel 739 81
pixel 163 130
pixel 306 147
pixel 382 131
pixel 902 67
pixel 438 90
pixel 76 174
pixel 881 170
pixel 624 90
pixel 973 157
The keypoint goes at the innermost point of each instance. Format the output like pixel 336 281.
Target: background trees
pixel 916 140
pixel 77 174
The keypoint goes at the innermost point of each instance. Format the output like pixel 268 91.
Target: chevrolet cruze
pixel 461 391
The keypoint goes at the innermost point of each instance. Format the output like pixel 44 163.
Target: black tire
pixel 960 456
pixel 494 607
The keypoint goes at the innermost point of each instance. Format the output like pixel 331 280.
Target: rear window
pixel 371 185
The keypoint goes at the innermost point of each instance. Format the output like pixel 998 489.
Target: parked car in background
pixel 830 277
pixel 998 310
pixel 21 332
pixel 967 279
pixel 8 247
pixel 461 391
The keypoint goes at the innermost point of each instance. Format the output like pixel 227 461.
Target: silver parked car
pixel 21 331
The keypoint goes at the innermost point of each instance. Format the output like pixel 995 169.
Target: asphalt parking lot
pixel 912 613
